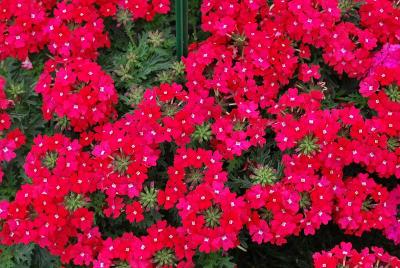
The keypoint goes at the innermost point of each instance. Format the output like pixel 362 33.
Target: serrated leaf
pixel 215 260
pixel 23 254
pixel 43 259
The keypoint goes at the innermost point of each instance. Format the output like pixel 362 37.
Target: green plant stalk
pixel 181 7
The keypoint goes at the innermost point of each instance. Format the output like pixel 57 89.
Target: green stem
pixel 181 28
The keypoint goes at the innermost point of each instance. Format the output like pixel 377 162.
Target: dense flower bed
pixel 180 169
pixel 346 256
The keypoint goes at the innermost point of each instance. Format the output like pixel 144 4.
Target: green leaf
pixel 16 256
pixel 23 254
pixel 215 260
pixel 43 259
pixel 6 257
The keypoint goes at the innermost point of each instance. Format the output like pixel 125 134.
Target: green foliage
pixel 41 258
pixel 236 169
pixel 25 114
pixel 6 257
pixel 138 55
pixel 148 197
pixel 122 264
pixel 257 165
pixel 17 256
pixel 212 216
pixel 27 256
pixel 393 93
pixel 393 143
pixel 308 145
pixel 235 164
pixel 121 163
pixel 97 202
pixel 194 19
pixel 215 260
pixel 50 160
pixel 142 55
pixel 349 10
pixel 165 257
pixel 133 95
pixel 74 201
pixel 202 133
pixel 264 175
pixel 142 61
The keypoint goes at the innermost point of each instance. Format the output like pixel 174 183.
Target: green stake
pixel 181 28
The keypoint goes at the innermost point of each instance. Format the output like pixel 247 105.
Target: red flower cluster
pixel 392 231
pixel 257 80
pixel 190 169
pixel 213 217
pixel 78 89
pixel 363 205
pixel 284 209
pixel 10 140
pixel 344 255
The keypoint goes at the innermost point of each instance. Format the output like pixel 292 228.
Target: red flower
pixel 308 72
pixel 134 212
